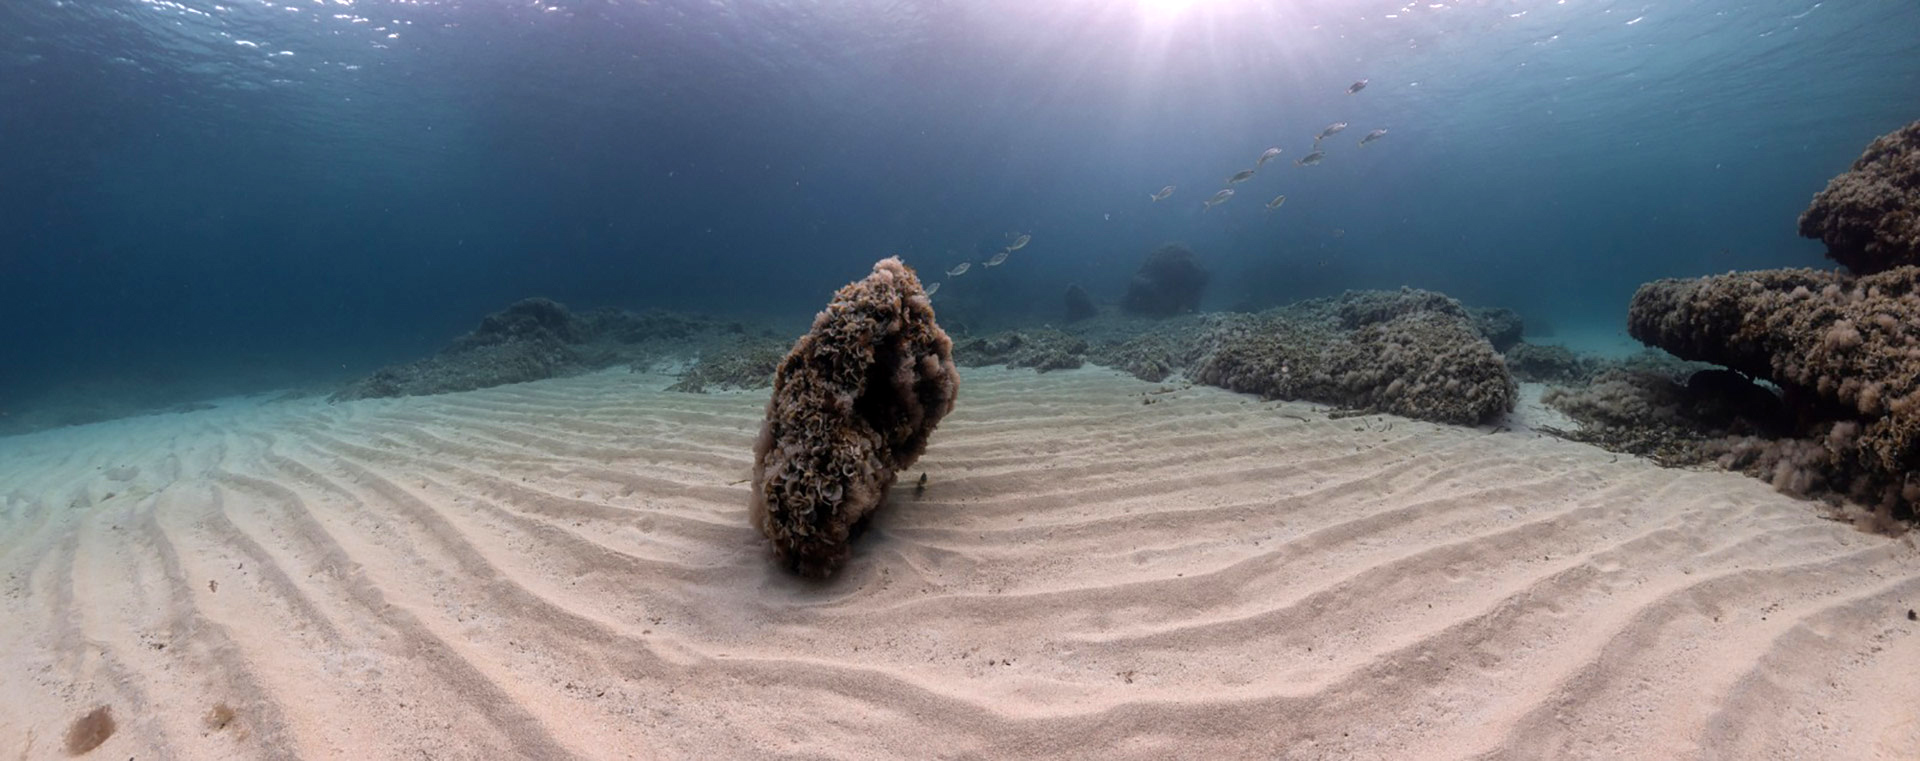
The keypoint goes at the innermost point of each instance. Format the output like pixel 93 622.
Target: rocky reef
pixel 1041 349
pixel 1078 304
pixel 746 364
pixel 1408 352
pixel 1845 352
pixel 1869 216
pixel 1814 379
pixel 1667 410
pixel 1548 363
pixel 1502 327
pixel 529 340
pixel 853 404
pixel 535 339
pixel 1170 281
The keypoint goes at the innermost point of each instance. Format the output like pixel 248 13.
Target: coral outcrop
pixel 1169 282
pixel 1844 350
pixel 530 340
pixel 1407 352
pixel 1502 327
pixel 1667 413
pixel 853 403
pixel 1079 305
pixel 535 339
pixel 748 364
pixel 1869 216
pixel 1042 349
pixel 1411 352
pixel 1547 363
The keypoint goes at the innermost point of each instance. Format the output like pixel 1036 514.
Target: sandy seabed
pixel 564 569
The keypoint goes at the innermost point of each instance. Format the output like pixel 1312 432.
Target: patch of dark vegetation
pixel 90 731
pixel 219 717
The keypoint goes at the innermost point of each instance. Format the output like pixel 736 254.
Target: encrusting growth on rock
pixel 1846 352
pixel 853 404
pixel 1869 216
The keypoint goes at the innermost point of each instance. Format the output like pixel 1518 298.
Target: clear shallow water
pixel 277 190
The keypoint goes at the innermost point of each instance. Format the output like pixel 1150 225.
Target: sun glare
pixel 1163 9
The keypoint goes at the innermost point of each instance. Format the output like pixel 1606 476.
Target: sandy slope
pixel 563 569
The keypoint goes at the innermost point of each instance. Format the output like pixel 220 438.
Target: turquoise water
pixel 247 193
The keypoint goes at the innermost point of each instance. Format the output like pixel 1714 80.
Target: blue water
pixel 244 190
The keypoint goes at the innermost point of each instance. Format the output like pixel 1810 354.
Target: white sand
pixel 563 569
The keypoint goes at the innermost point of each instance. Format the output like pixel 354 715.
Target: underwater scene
pixel 1318 379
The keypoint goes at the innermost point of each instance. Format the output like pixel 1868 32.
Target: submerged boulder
pixel 1169 282
pixel 853 404
pixel 1844 350
pixel 1869 216
pixel 1409 352
pixel 1079 305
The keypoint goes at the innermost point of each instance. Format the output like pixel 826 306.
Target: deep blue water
pixel 246 189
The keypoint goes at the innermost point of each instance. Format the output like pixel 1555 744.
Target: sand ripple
pixel 563 569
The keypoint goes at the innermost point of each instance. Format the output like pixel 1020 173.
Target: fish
pixel 1275 203
pixel 997 259
pixel 1330 131
pixel 1240 176
pixel 1162 195
pixel 1310 159
pixel 933 289
pixel 1264 157
pixel 959 269
pixel 1357 87
pixel 1372 136
pixel 1218 198
pixel 1020 243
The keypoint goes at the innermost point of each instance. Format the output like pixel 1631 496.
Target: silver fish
pixel 1265 157
pixel 997 259
pixel 1330 131
pixel 1275 203
pixel 1240 176
pixel 1310 159
pixel 1357 87
pixel 933 289
pixel 1162 195
pixel 1020 243
pixel 1372 136
pixel 1218 198
pixel 960 269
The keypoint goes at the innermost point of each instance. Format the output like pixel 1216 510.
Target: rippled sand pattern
pixel 564 570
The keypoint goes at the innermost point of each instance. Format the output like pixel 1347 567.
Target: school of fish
pixel 1312 158
pixel 1020 240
